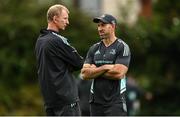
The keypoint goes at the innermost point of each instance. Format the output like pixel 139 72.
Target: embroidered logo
pixel 113 52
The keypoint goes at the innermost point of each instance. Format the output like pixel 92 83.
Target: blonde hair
pixel 55 10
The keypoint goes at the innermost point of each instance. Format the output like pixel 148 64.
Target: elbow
pixel 78 65
pixel 87 74
pixel 85 77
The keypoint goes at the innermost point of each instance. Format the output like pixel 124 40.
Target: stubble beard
pixel 105 36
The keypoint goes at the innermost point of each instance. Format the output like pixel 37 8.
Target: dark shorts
pixel 108 110
pixel 67 110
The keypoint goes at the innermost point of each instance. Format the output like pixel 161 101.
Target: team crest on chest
pixel 112 51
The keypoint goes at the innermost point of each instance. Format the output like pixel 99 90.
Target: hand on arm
pixel 90 71
pixel 118 71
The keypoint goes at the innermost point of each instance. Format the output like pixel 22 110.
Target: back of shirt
pixel 56 61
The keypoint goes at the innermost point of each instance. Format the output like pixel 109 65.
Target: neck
pixel 107 42
pixel 53 27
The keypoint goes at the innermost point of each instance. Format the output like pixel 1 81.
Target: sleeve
pixel 124 55
pixel 69 54
pixel 90 56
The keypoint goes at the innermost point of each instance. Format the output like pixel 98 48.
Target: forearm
pixel 92 73
pixel 113 76
pixel 116 73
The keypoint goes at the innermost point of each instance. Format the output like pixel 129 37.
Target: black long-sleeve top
pixel 56 60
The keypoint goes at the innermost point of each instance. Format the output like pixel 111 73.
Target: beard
pixel 104 36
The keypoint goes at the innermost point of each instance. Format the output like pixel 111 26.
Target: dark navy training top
pixel 106 91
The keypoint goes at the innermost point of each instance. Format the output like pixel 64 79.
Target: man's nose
pixel 67 21
pixel 99 29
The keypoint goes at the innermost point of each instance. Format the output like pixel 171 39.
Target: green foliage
pixel 18 29
pixel 81 32
pixel 155 58
pixel 154 44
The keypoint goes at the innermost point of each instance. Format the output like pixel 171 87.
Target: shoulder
pixel 59 39
pixel 96 45
pixel 123 46
pixel 121 42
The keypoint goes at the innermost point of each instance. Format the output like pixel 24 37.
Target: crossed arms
pixel 109 71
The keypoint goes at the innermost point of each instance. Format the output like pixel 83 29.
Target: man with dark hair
pixel 57 60
pixel 106 64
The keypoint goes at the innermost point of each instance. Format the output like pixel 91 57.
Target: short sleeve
pixel 90 55
pixel 124 55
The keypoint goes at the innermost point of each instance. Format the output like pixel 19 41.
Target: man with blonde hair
pixel 56 62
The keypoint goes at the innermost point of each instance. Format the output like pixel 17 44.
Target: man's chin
pixel 62 29
pixel 102 37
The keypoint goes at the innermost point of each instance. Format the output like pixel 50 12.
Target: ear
pixel 55 19
pixel 114 26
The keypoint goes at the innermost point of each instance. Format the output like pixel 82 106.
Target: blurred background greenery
pixel 154 44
